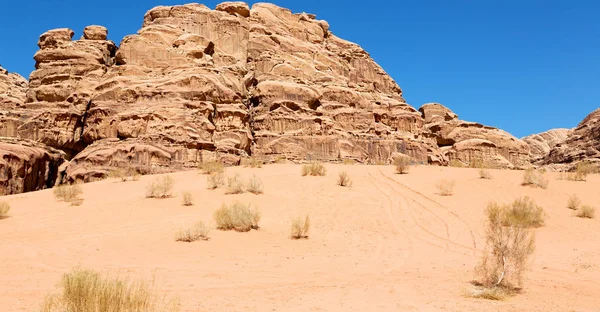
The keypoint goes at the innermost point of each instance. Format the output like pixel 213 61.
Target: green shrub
pixel 237 216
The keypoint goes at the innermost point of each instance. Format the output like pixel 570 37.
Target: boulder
pixel 95 32
pixel 235 8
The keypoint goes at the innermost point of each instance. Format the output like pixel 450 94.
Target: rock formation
pixel 469 141
pixel 583 143
pixel 540 144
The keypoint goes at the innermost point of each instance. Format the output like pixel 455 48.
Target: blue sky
pixel 523 66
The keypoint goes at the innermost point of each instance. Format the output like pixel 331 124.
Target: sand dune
pixel 388 243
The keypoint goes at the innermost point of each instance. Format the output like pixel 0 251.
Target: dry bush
pixel 188 199
pixel 507 255
pixel 456 163
pixel 574 202
pixel 87 291
pixel 300 227
pixel 445 187
pixel 124 174
pixel 484 174
pixel 237 216
pixel 348 161
pixel 492 293
pixel 477 163
pixel 211 167
pixel 255 186
pixel 523 212
pixel 191 234
pixel 402 164
pixel 586 211
pixel 535 178
pixel 252 162
pixel 234 185
pixel 582 170
pixel 4 209
pixel 280 160
pixel 69 193
pixel 344 179
pixel 313 169
pixel 161 187
pixel 215 180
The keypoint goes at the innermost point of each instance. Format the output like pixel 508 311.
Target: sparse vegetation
pixel 188 199
pixel 300 227
pixel 124 174
pixel 252 162
pixel 211 167
pixel 191 234
pixel 445 187
pixel 522 212
pixel 484 174
pixel 4 209
pixel 505 262
pixel 586 211
pixel 87 291
pixel 574 202
pixel 348 161
pixel 161 187
pixel 535 178
pixel 402 164
pixel 255 186
pixel 582 170
pixel 477 163
pixel 344 179
pixel 456 163
pixel 215 180
pixel 237 216
pixel 234 185
pixel 314 169
pixel 69 193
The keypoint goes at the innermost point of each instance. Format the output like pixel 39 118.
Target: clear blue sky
pixel 524 66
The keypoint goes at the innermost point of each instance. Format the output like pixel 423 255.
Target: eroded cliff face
pixel 541 144
pixel 582 143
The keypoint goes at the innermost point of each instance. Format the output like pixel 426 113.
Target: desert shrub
pixel 191 234
pixel 215 180
pixel 344 179
pixel 69 193
pixel 534 178
pixel 187 199
pixel 211 167
pixel 237 216
pixel 574 202
pixel 456 163
pixel 255 186
pixel 234 185
pixel 445 187
pixel 252 162
pixel 402 164
pixel 477 163
pixel 586 211
pixel 300 227
pixel 484 174
pixel 582 170
pixel 523 212
pixel 507 254
pixel 161 187
pixel 348 161
pixel 87 291
pixel 313 169
pixel 280 160
pixel 4 209
pixel 124 174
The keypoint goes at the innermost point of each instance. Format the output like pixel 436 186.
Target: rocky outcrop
pixel 540 144
pixel 27 166
pixel 583 143
pixel 469 141
pixel 12 90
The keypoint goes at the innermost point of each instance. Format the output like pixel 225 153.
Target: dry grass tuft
pixel 402 164
pixel 509 248
pixel 587 212
pixel 493 293
pixel 574 202
pixel 161 187
pixel 314 169
pixel 445 187
pixel 234 185
pixel 255 186
pixel 523 212
pixel 4 209
pixel 344 179
pixel 211 167
pixel 198 232
pixel 535 178
pixel 87 291
pixel 124 174
pixel 237 216
pixel 252 162
pixel 69 193
pixel 300 227
pixel 484 174
pixel 348 161
pixel 215 180
pixel 188 199
pixel 582 170
pixel 456 163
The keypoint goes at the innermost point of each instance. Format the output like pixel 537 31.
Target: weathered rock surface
pixel 12 90
pixel 540 144
pixel 583 143
pixel 469 141
pixel 27 166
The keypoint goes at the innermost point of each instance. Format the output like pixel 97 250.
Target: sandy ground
pixel 389 243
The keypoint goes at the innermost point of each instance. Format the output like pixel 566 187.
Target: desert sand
pixel 388 243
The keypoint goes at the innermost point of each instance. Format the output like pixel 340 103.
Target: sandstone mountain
pixel 582 143
pixel 540 144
